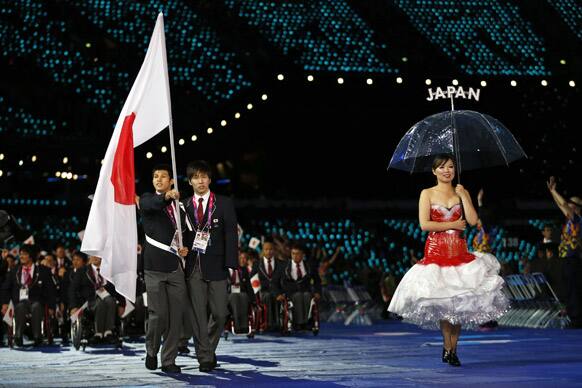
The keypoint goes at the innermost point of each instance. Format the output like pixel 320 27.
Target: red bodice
pixel 446 248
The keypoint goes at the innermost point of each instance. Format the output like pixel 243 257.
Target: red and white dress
pixel 450 283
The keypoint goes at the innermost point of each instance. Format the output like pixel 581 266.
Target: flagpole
pixel 171 128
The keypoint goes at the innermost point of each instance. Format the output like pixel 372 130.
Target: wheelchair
pixel 253 322
pixel 83 330
pixel 45 329
pixel 286 314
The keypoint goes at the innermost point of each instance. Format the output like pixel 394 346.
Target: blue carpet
pixel 386 354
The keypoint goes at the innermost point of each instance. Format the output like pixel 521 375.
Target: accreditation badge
pixel 201 241
pixel 23 293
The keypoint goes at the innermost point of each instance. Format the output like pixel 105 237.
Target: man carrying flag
pixel 111 231
pixel 164 274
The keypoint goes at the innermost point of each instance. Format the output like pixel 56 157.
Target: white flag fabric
pixel 256 283
pixel 111 231
pixel 254 243
pixel 9 314
pixel 129 307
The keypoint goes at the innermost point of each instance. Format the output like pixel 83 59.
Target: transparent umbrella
pixel 476 140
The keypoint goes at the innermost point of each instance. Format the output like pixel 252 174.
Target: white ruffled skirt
pixel 468 294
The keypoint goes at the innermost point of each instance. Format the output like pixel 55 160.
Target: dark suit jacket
pixel 310 282
pixel 222 252
pixel 83 288
pixel 272 284
pixel 158 224
pixel 42 288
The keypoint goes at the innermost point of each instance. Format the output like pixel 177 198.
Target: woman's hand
pixel 462 192
pixel 459 224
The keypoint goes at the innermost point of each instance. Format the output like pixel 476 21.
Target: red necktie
pixel 200 211
pixel 299 273
pixel 269 268
pixel 27 277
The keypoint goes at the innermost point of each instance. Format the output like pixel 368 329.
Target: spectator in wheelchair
pixel 103 301
pixel 270 271
pixel 65 276
pixel 300 283
pixel 31 289
pixel 241 294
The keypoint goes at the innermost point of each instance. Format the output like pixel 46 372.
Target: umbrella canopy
pixel 475 139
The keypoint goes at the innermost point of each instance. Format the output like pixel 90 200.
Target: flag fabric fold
pixel 111 231
pixel 9 314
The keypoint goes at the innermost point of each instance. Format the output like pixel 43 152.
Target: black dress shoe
pixel 453 359
pixel 172 368
pixel 151 362
pixel 183 350
pixel 446 355
pixel 18 341
pixel 205 367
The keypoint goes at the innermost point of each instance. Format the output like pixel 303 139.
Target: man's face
pixel 60 252
pixel 243 259
pixel 200 182
pixel 547 232
pixel 162 181
pixel 297 255
pixel 25 258
pixel 268 250
pixel 50 261
pixel 77 262
pixel 95 261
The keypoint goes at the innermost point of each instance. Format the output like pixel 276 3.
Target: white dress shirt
pixel 22 278
pixel 294 270
pixel 205 198
pixel 266 263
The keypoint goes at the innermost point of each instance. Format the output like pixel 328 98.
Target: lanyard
pixel 172 213
pixel 210 209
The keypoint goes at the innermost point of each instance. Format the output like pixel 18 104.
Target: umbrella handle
pixel 455 140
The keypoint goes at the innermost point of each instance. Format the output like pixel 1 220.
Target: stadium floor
pixel 385 354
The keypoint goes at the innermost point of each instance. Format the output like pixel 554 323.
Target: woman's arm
pixel 432 226
pixel 470 212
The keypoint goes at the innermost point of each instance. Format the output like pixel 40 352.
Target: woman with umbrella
pixel 449 287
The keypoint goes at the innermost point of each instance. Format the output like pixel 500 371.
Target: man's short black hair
pixel 163 167
pixel 297 247
pixel 28 249
pixel 81 255
pixel 198 166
